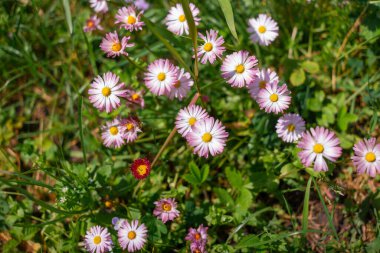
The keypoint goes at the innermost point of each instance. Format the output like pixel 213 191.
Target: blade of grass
pixel 69 21
pixel 81 129
pixel 226 7
pixel 305 211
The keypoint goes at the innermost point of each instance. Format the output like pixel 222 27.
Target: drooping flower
pixel 161 76
pixel 140 4
pixel 131 236
pixel 99 5
pixel 211 48
pixel 318 144
pixel 197 236
pixel 274 98
pixel 117 222
pixel 113 134
pixel 290 127
pixel 93 23
pixel 263 29
pixel 113 46
pixel 166 209
pixel 176 20
pixel 141 168
pixel 198 248
pixel 130 127
pixel 207 136
pixel 129 19
pixel 238 69
pixel 187 117
pixel 135 98
pixel 98 240
pixel 105 92
pixel 260 81
pixel 367 157
pixel 182 86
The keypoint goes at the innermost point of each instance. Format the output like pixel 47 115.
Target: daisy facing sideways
pixel 197 236
pixel 260 81
pixel 211 48
pixel 182 86
pixel 98 240
pixel 166 209
pixel 113 134
pixel 99 5
pixel 135 98
pixel 274 98
pixel 176 20
pixel 131 236
pixel 130 127
pixel 263 29
pixel 290 127
pixel 161 76
pixel 367 157
pixel 318 144
pixel 187 117
pixel 113 47
pixel 128 18
pixel 92 24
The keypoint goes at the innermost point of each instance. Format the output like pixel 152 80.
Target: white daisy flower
pixel 260 81
pixel 161 76
pixel 211 48
pixel 290 127
pixel 263 29
pixel 98 240
pixel 113 134
pixel 132 236
pixel 187 117
pixel 99 5
pixel 182 86
pixel 176 20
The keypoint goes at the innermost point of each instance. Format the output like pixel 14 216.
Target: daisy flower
pixel 129 19
pixel 211 48
pixel 130 127
pixel 238 69
pixel 161 76
pixel 141 168
pixel 197 236
pixel 290 127
pixel 98 240
pixel 207 136
pixel 263 29
pixel 367 157
pixel 113 46
pixel 135 98
pixel 176 20
pixel 182 86
pixel 117 222
pixel 113 134
pixel 198 248
pixel 187 117
pixel 318 144
pixel 274 98
pixel 132 236
pixel 260 81
pixel 105 92
pixel 166 210
pixel 93 23
pixel 99 5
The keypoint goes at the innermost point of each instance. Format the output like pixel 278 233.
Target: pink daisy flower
pixel 129 19
pixel 93 23
pixel 290 127
pixel 263 29
pixel 176 20
pixel 135 98
pixel 99 5
pixel 98 240
pixel 274 98
pixel 132 236
pixel 182 86
pixel 260 81
pixel 105 92
pixel 130 127
pixel 113 46
pixel 367 157
pixel 198 248
pixel 211 48
pixel 161 76
pixel 113 134
pixel 318 144
pixel 207 136
pixel 197 236
pixel 187 117
pixel 166 210
pixel 238 69
pixel 140 4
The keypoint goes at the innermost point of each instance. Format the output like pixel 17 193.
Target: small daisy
pixel 113 134
pixel 135 98
pixel 105 92
pixel 161 76
pixel 98 240
pixel 274 98
pixel 197 236
pixel 166 210
pixel 211 48
pixel 176 20
pixel 238 69
pixel 141 168
pixel 182 86
pixel 290 127
pixel 260 81
pixel 367 157
pixel 208 136
pixel 263 29
pixel 132 236
pixel 113 46
pixel 129 19
pixel 198 248
pixel 117 222
pixel 93 23
pixel 318 144
pixel 130 128
pixel 99 5
pixel 187 117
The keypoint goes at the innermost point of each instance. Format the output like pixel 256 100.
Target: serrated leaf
pixel 229 15
pixel 234 178
pixel 297 77
pixel 310 66
pixel 244 200
pixel 224 196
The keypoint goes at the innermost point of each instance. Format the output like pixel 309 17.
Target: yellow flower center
pixel 182 18
pixel 167 207
pixel 131 235
pixel 135 96
pixel 177 84
pixel 106 91
pixel 90 24
pixel 114 130
pixel 262 84
pixel 291 127
pixel 318 148
pixel 108 204
pixel 142 170
pixel 197 236
pixel 262 29
pixel 370 157
pixel 116 47
pixel 207 137
pixel 129 126
pixel 97 240
pixel 131 20
pixel 161 76
pixel 192 121
pixel 208 47
pixel 240 68
pixel 273 97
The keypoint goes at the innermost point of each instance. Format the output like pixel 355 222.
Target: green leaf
pixel 224 197
pixel 191 179
pixel 297 77
pixel 344 118
pixel 66 7
pixel 205 172
pixel 310 66
pixel 305 211
pixel 248 241
pixel 229 15
pixel 195 171
pixel 234 178
pixel 81 129
pixel 189 20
